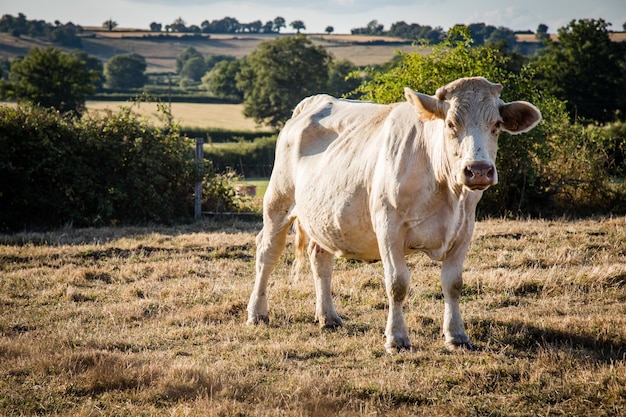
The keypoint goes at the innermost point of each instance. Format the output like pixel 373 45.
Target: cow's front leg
pixel 270 245
pixel 322 263
pixel 451 283
pixel 397 280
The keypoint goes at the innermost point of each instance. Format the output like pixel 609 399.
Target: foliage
pixel 194 69
pixel 63 34
pixel 99 170
pixel 483 34
pixel 297 25
pixel 557 167
pixel 52 78
pixel 221 80
pixel 213 60
pixel 189 53
pixel 250 159
pixel 340 81
pixel 109 25
pixel 280 73
pixel 570 70
pixel 426 71
pixel 219 193
pixel 416 32
pixel 125 71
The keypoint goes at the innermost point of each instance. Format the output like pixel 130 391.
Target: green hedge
pixel 249 159
pixel 100 170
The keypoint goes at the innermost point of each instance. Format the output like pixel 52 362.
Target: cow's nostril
pixel 479 174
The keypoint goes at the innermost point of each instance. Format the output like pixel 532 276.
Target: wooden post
pixel 199 173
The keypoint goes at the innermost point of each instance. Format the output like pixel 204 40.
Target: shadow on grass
pixel 524 337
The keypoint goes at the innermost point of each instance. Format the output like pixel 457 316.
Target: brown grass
pixel 150 321
pixel 190 115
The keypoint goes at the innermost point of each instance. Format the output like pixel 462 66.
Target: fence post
pixel 199 173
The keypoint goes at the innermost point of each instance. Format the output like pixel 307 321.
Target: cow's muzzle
pixel 479 175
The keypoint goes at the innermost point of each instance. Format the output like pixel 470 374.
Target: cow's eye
pixel 451 126
pixel 496 127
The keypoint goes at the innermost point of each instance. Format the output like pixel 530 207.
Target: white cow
pixel 376 182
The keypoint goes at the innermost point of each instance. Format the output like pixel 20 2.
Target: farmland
pixel 161 54
pixel 150 321
pixel 189 115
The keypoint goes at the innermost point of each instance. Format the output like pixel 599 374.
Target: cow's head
pixel 473 116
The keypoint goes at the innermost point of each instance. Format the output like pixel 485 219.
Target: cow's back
pixel 321 120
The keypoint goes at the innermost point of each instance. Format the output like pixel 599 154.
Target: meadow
pixel 187 115
pixel 150 321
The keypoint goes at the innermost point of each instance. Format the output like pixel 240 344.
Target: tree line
pixel 567 68
pixel 65 34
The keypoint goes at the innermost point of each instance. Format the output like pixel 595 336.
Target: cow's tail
pixel 300 244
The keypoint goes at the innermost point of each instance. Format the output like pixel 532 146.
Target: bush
pixel 557 168
pixel 101 170
pixel 219 193
pixel 249 159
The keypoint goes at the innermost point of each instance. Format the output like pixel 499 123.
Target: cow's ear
pixel 427 107
pixel 519 116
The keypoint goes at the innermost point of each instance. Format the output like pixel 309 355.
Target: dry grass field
pixel 150 322
pixel 189 115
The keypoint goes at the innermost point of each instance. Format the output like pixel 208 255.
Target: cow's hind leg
pixel 322 263
pixel 270 245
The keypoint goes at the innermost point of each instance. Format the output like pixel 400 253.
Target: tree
pixel 557 165
pixel 279 22
pixel 373 28
pixel 340 81
pixel 52 78
pixel 297 25
pixel 155 27
pixel 126 71
pixel 542 32
pixel 586 69
pixel 109 25
pixel 329 29
pixel 178 26
pixel 213 60
pixel 222 79
pixel 194 69
pixel 280 73
pixel 66 35
pixel 186 55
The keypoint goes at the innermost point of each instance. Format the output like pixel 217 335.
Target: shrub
pixel 101 170
pixel 249 159
pixel 557 168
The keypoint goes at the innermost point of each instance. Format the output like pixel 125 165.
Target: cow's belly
pixel 338 221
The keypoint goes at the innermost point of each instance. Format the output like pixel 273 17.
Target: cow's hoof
pixel 459 346
pixel 398 344
pixel 330 322
pixel 254 320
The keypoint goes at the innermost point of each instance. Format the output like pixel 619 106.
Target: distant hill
pixel 161 50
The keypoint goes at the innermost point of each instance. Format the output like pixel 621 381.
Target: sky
pixel 342 15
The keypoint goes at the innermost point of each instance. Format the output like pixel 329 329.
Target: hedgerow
pixel 106 169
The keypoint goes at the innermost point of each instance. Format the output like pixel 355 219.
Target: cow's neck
pixel 440 158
